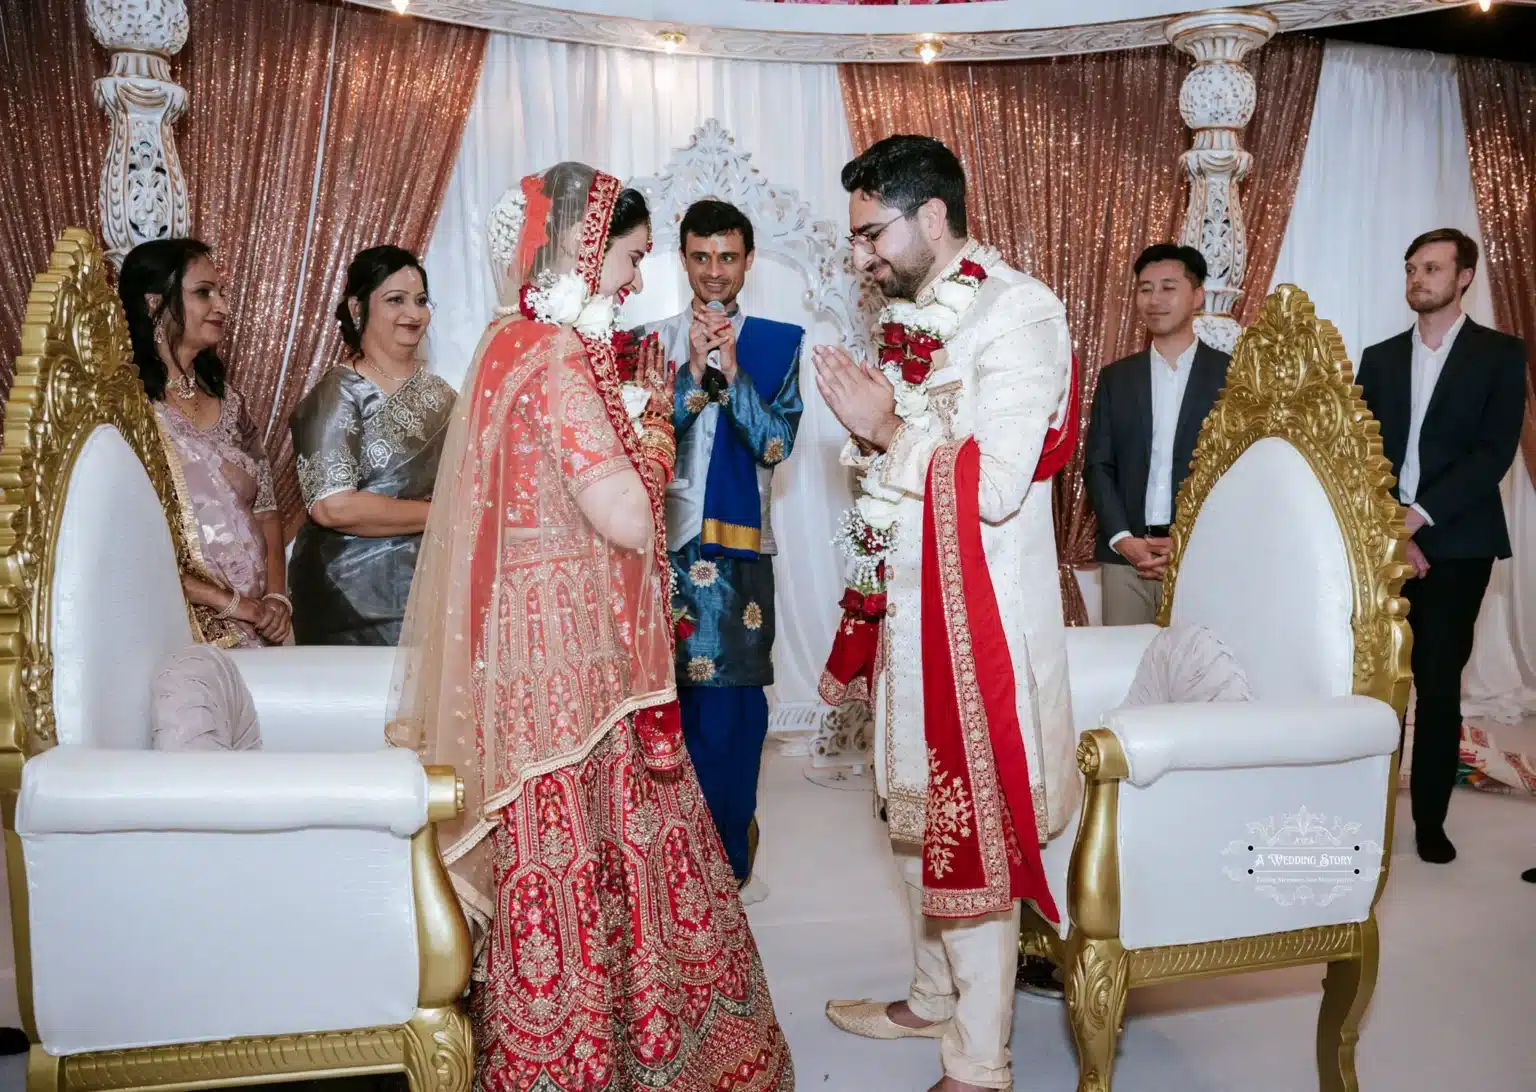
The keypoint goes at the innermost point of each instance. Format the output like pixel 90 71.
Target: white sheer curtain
pixel 541 102
pixel 1386 160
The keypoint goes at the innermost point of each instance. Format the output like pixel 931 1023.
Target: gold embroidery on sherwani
pixel 945 401
pixel 1016 331
pixel 949 816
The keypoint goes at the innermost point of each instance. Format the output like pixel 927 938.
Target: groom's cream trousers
pixel 963 971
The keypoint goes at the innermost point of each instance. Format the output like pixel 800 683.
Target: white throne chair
pixel 1190 854
pixel 190 919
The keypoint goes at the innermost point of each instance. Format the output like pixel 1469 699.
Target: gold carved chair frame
pixel 74 375
pixel 1289 378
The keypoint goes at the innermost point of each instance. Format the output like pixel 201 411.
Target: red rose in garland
pixel 626 347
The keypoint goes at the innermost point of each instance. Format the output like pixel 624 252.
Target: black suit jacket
pixel 1118 451
pixel 1469 437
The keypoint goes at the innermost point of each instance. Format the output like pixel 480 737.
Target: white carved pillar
pixel 1217 102
pixel 143 192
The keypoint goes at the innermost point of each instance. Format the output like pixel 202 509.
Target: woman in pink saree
pixel 612 950
pixel 233 575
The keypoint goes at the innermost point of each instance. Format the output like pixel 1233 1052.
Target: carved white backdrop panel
pixel 629 113
pixel 785 228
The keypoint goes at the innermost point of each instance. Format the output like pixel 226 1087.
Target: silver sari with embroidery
pixel 349 435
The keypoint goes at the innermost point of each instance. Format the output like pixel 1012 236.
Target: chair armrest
pixel 84 790
pixel 1101 664
pixel 327 699
pixel 1236 735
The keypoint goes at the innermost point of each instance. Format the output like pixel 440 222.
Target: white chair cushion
pixel 118 608
pixel 334 698
pixel 1188 664
pixel 1266 569
pixel 1101 664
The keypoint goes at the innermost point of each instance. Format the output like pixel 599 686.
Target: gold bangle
pixel 234 605
pixel 659 442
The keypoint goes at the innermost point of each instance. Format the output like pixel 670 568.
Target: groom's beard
pixel 903 276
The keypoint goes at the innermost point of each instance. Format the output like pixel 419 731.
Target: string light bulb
pixel 929 48
pixel 672 40
pixel 401 5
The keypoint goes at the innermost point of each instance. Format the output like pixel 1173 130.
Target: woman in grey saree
pixel 367 439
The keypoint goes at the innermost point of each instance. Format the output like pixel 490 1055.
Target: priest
pixel 736 410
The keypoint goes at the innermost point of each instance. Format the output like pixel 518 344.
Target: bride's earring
pixel 160 330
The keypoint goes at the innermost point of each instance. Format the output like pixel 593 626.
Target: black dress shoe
pixel 1529 875
pixel 14 1041
pixel 1039 977
pixel 1435 847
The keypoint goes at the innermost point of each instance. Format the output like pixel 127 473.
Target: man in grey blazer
pixel 1147 413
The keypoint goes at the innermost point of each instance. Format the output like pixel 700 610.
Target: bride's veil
pixel 528 636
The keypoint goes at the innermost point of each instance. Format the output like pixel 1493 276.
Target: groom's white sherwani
pixel 1003 378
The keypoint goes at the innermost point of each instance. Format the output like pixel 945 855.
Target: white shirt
pixel 1169 379
pixel 1168 384
pixel 1427 365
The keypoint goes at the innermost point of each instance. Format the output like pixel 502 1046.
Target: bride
pixel 612 951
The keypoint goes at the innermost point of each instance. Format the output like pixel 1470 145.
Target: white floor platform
pixel 1453 1009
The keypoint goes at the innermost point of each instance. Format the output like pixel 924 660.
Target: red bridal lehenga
pixel 613 953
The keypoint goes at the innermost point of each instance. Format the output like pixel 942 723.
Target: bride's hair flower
pixel 504 227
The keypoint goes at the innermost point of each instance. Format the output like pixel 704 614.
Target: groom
pixel 957 433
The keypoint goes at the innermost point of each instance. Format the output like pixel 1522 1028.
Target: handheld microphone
pixel 714 378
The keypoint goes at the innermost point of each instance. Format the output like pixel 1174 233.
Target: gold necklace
pixel 399 381
pixel 183 387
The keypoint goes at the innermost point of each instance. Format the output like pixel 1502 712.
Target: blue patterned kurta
pixel 730 600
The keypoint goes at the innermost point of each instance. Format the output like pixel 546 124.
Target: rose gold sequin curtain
pixel 1498 105
pixel 1073 166
pixel 52 141
pixel 294 108
pixel 263 153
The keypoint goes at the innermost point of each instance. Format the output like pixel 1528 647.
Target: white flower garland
pixel 876 505
pixel 563 299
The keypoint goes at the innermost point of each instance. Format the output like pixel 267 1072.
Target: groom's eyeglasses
pixel 869 234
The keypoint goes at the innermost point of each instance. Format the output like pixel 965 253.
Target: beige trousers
pixel 1129 598
pixel 963 971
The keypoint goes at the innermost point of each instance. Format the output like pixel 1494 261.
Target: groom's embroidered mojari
pixel 1002 380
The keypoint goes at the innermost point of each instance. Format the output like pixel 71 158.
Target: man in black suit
pixel 1450 396
pixel 1147 414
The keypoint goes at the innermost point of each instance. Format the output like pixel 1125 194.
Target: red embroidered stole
pixel 981 844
